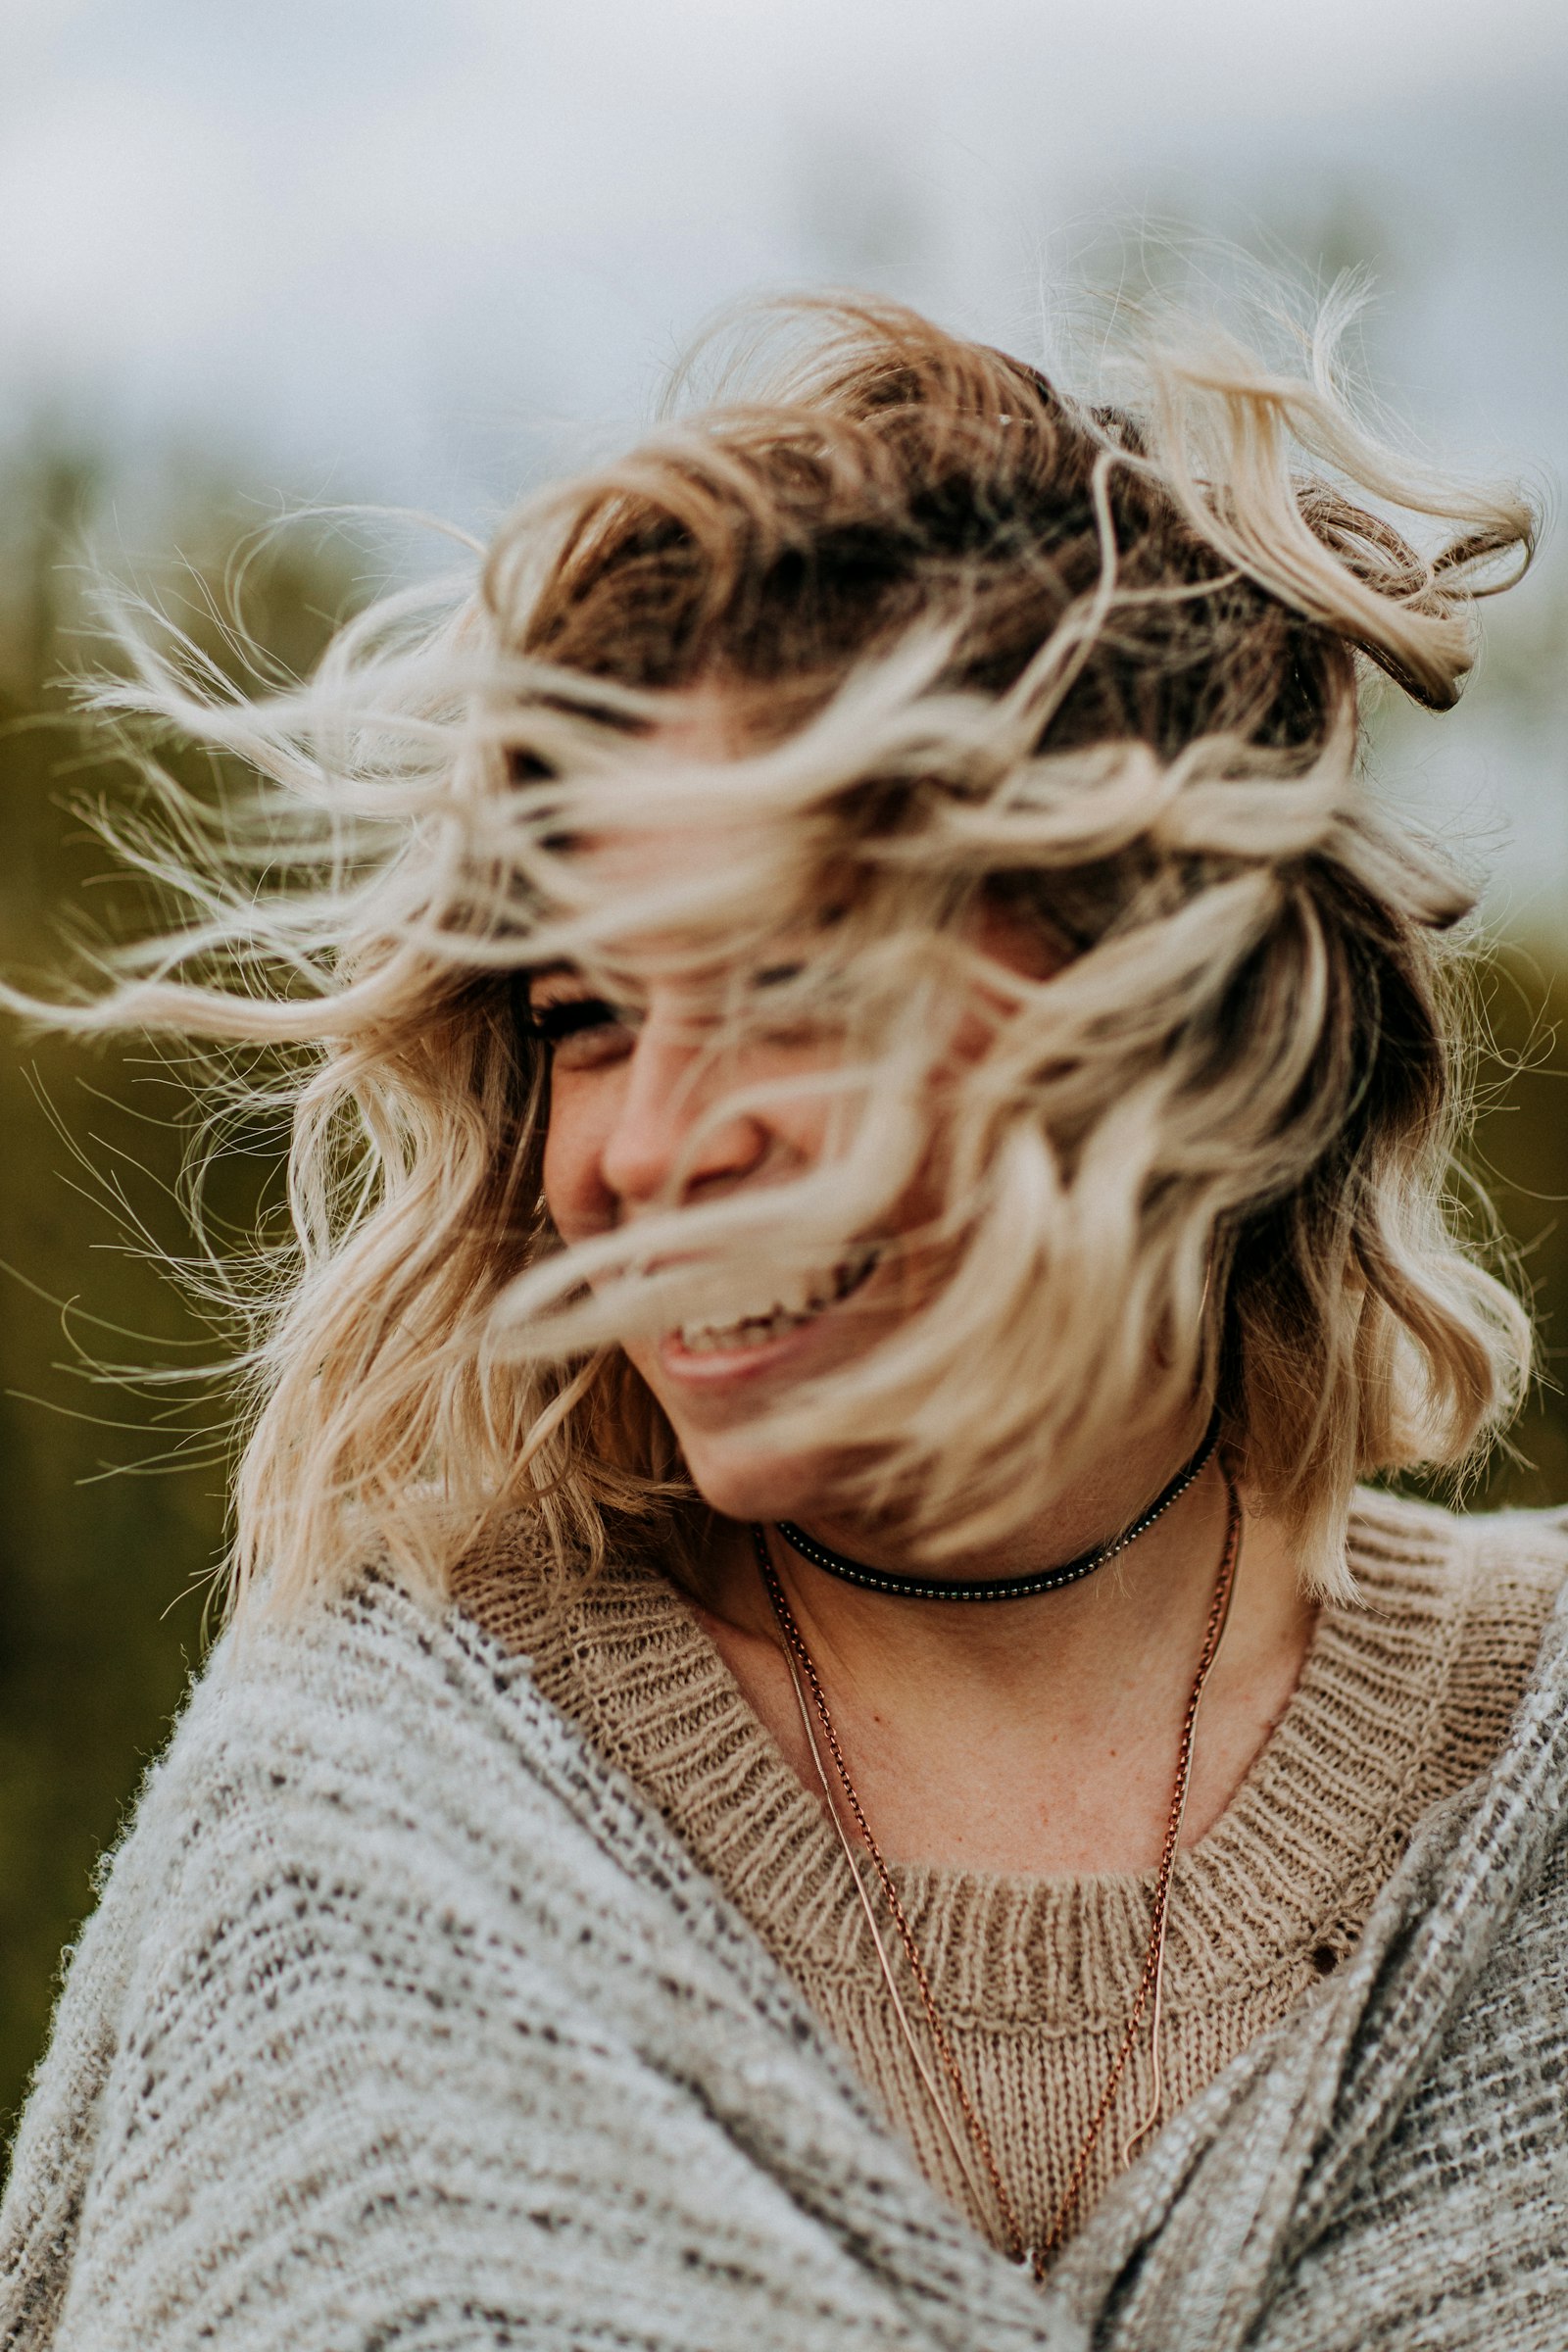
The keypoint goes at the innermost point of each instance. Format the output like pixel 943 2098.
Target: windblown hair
pixel 980 644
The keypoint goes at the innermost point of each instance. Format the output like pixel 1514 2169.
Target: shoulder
pixel 1490 1582
pixel 1455 1620
pixel 352 1800
pixel 375 1716
pixel 1401 1530
pixel 381 1753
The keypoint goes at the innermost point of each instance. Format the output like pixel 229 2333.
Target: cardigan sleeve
pixel 395 2064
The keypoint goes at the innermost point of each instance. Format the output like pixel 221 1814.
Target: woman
pixel 820 1745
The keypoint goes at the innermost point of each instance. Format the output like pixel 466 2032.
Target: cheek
pixel 573 1189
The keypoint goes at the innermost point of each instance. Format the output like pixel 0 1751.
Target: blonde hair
pixel 982 642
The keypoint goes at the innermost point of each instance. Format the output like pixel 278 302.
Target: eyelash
pixel 570 1016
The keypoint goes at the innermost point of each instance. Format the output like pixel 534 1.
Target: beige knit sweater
pixel 1405 1696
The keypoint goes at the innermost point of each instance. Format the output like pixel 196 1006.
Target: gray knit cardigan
pixel 406 2023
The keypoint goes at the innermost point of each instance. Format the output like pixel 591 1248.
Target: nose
pixel 663 1140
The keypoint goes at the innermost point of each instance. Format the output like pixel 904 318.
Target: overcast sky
pixel 373 239
pixel 416 248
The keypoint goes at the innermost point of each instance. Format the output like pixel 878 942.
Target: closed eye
pixel 568 1016
pixel 578 1029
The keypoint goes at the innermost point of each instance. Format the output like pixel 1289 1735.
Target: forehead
pixel 705 727
pixel 701 729
pixel 1020 942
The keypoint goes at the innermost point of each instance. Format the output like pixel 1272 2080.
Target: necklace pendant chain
pixel 812 1701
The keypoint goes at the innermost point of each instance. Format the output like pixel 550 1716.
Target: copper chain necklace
pixel 800 1664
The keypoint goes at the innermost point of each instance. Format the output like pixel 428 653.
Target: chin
pixel 743 1482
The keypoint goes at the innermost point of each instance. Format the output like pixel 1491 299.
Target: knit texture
pixel 1407 1693
pixel 405 2020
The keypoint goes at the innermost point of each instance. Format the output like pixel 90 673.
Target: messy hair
pixel 979 641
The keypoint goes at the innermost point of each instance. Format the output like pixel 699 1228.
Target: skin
pixel 1036 1735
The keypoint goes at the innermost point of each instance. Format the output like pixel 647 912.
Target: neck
pixel 1115 1623
pixel 1019 1583
pixel 1069 1701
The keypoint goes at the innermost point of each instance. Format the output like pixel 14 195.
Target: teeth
pixel 749 1332
pixel 797 1294
pixel 801 1297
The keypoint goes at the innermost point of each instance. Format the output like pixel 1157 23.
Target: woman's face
pixel 633 1089
pixel 631 1098
pixel 634 1083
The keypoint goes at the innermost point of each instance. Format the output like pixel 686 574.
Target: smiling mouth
pixel 803 1300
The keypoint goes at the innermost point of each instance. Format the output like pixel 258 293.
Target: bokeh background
pixel 421 252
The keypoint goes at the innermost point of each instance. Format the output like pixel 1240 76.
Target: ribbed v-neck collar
pixel 1376 1730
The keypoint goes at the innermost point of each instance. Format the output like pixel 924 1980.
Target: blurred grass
pixel 102 1566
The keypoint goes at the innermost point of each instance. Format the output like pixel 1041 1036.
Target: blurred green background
pixel 114 1498
pixel 114 1512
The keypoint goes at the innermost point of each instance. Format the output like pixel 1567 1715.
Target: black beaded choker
pixel 1001 1587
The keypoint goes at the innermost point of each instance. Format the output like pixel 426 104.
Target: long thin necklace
pixel 1004 1587
pixel 1147 1997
